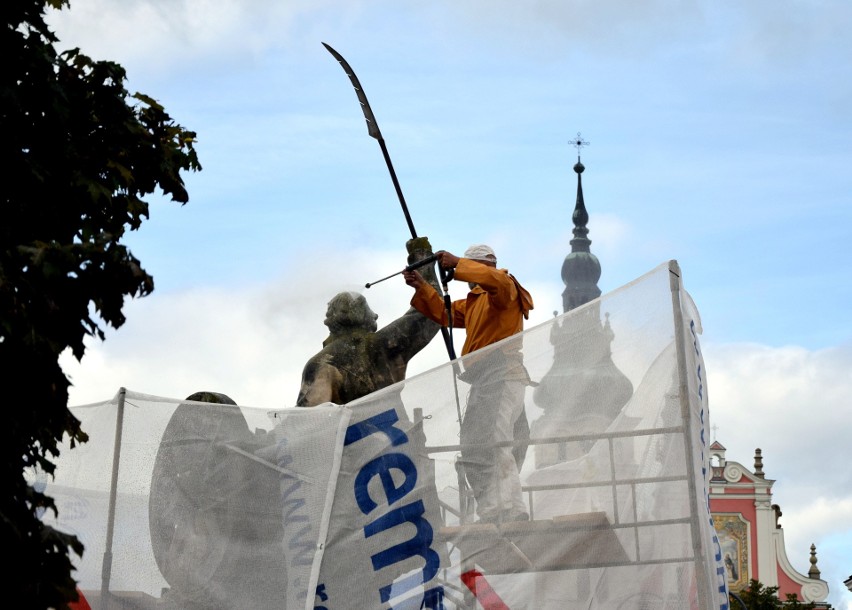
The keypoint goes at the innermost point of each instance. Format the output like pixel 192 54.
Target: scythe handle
pixel 398 188
pixel 375 132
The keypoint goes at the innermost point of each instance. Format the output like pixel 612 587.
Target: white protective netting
pixel 367 505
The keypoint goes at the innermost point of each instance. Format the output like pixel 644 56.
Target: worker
pixel 494 309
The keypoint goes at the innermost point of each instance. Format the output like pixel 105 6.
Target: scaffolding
pixel 189 504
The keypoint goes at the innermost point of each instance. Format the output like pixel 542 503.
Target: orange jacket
pixel 493 310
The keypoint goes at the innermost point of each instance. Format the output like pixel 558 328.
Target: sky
pixel 718 136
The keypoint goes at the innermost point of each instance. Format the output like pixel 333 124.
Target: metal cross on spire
pixel 578 143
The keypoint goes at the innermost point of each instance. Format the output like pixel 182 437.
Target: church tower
pixel 584 391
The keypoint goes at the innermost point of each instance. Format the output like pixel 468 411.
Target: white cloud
pixel 169 32
pixel 174 345
pixel 798 396
pixel 758 33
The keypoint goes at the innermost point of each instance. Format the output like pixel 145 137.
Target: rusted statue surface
pixel 358 358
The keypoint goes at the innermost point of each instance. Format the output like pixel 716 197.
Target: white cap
pixel 481 252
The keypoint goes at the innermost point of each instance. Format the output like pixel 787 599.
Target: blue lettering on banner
pixel 296 520
pixel 381 467
pixel 721 576
pixel 322 595
pixel 383 422
pixel 420 544
pixel 292 511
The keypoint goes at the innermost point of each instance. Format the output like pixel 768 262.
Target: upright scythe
pixel 373 130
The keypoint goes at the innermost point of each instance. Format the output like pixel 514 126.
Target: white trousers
pixel 493 407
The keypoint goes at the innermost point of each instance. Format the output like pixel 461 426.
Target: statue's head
pixel 350 310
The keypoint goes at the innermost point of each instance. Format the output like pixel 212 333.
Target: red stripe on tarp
pixel 482 591
pixel 81 603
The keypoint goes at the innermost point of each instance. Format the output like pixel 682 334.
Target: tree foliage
pixel 759 597
pixel 79 154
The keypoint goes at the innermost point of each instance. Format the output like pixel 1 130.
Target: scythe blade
pixel 372 125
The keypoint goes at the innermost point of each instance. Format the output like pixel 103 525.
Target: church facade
pixel 750 533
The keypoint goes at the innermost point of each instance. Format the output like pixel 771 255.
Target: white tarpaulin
pixel 367 505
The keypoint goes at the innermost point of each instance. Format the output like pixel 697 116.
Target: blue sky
pixel 719 136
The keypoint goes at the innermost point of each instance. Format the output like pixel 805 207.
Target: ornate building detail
pixel 733 472
pixel 733 532
pixel 748 526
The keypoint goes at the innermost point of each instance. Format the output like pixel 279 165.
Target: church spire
pixel 581 269
pixel 580 243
